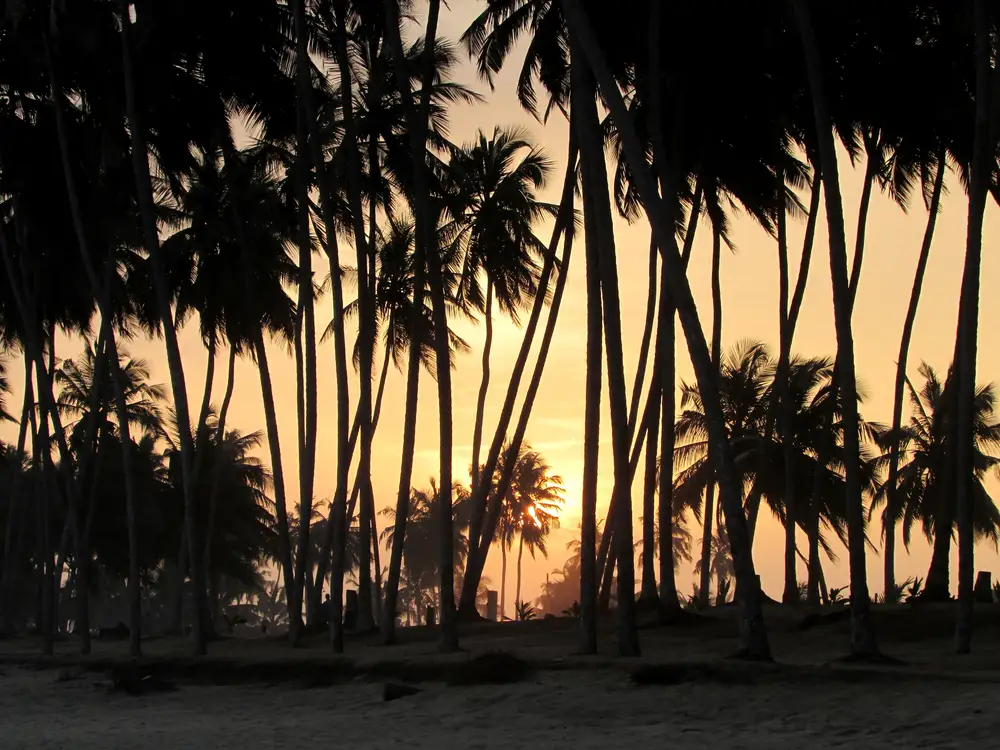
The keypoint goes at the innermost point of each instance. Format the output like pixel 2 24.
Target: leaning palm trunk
pixel 366 318
pixel 786 409
pixel 327 203
pixel 596 183
pixel 417 121
pixel 984 149
pixel 753 635
pixel 872 151
pixel 517 586
pixel 756 492
pixel 862 632
pixel 278 477
pixel 477 432
pixel 481 533
pixel 707 536
pixel 889 523
pixel 220 438
pixel 144 190
pixel 604 562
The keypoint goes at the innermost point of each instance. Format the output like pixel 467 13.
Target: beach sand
pixel 581 710
pixel 935 700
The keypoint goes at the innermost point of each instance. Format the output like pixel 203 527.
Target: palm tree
pixel 497 186
pixel 421 543
pixel 531 507
pixel 923 491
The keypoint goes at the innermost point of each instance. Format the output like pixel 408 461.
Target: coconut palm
pixel 497 180
pixel 923 494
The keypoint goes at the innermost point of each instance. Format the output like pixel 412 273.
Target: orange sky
pixel 749 279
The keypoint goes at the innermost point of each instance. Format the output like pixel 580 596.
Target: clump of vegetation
pixel 492 668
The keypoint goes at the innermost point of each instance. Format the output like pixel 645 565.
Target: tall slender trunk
pixel 709 514
pixel 483 506
pixel 815 569
pixel 985 143
pixel 596 182
pixel 327 205
pixel 872 167
pixel 418 123
pixel 503 581
pixel 647 589
pixel 936 587
pixel 477 433
pixel 277 472
pixel 892 499
pixel 305 338
pixel 206 397
pixel 366 317
pixel 144 190
pixel 131 500
pixel 220 440
pixel 589 567
pixel 752 632
pixel 786 409
pixel 666 342
pixel 517 587
pixel 328 533
pixel 863 641
pixel 753 500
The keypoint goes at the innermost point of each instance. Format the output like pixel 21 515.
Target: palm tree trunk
pixel 206 398
pixel 647 589
pixel 339 506
pixel 595 182
pixel 812 592
pixel 306 376
pixel 889 519
pixel 862 632
pixel 220 439
pixel 144 190
pixel 756 492
pixel 666 355
pixel 366 319
pixel 936 588
pixel 644 346
pixel 752 632
pixel 481 534
pixel 477 433
pixel 707 535
pixel 985 141
pixel 517 587
pixel 790 594
pixel 503 581
pixel 277 472
pixel 872 148
pixel 131 501
pixel 417 119
pixel 327 547
pixel 606 559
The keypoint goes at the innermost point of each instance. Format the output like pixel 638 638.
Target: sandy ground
pixel 934 700
pixel 582 710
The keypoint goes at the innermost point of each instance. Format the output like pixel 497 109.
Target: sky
pixel 749 287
